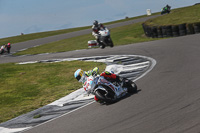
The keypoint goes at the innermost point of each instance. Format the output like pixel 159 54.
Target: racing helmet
pixel 95 23
pixel 79 75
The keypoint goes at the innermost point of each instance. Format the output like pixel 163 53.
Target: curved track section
pixel 129 66
pixel 169 99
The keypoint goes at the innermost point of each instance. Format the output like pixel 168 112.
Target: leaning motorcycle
pixel 165 10
pixel 2 50
pixel 104 38
pixel 106 91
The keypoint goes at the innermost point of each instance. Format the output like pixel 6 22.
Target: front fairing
pixel 90 84
pixel 103 82
pixel 104 32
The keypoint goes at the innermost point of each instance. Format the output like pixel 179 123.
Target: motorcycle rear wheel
pixel 111 43
pixel 131 86
pixel 102 46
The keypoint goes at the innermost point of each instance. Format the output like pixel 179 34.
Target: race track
pixel 169 100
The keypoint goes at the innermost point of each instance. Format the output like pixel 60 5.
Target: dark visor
pixel 78 77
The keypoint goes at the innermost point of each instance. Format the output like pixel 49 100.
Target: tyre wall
pixel 171 30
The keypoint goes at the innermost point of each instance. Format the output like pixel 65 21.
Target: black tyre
pixel 182 32
pixel 132 88
pixel 154 32
pixel 182 29
pixel 102 46
pixel 101 95
pixel 196 27
pixel 164 31
pixel 169 31
pixel 175 30
pixel 111 43
pixel 159 31
pixel 149 32
pixel 144 28
pixel 189 29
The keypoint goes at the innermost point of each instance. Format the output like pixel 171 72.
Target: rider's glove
pixel 95 71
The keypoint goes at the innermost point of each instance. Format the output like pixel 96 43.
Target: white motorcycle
pixel 2 49
pixel 104 38
pixel 106 91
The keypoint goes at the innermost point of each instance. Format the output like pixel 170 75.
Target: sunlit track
pixel 168 101
pixel 129 66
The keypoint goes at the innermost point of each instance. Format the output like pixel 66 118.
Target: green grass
pixel 28 87
pixel 121 36
pixel 178 16
pixel 131 18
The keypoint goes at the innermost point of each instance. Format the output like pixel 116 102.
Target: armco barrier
pixel 171 30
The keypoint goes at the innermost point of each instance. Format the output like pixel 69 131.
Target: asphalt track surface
pixel 169 100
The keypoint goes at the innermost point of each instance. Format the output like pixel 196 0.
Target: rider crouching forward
pixel 82 76
pixel 95 30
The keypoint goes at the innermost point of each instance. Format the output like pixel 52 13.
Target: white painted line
pixel 133 68
pixel 59 116
pixel 138 64
pixel 12 130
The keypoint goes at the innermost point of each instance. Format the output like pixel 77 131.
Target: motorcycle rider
pixel 95 29
pixel 8 46
pixel 168 7
pixel 81 76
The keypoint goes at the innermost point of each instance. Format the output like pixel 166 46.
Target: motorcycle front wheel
pixel 101 95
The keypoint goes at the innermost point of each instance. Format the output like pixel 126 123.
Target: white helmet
pixel 79 75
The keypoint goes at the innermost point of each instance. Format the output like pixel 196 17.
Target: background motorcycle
pixel 165 10
pixel 106 91
pixel 2 50
pixel 104 38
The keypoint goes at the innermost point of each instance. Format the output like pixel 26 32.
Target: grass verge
pixel 27 87
pixel 122 35
pixel 177 16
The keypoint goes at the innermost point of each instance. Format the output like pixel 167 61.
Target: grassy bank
pixel 177 16
pixel 28 87
pixel 121 36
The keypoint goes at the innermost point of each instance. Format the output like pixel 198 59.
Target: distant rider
pixel 168 7
pixel 95 29
pixel 8 46
pixel 2 49
pixel 82 76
